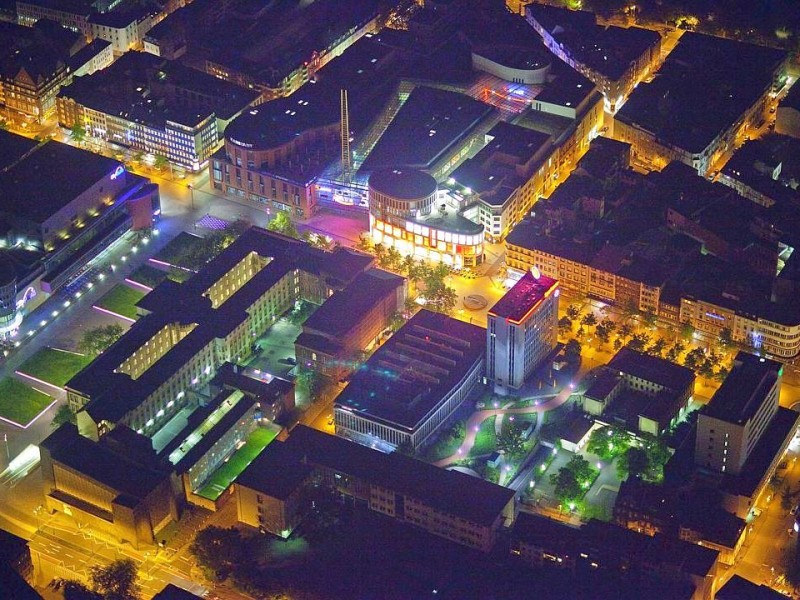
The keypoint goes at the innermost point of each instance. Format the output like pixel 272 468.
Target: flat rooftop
pixel 651 368
pixel 409 375
pixel 526 294
pixel 566 87
pixel 744 389
pixel 39 185
pixel 431 122
pixel 697 82
pixel 606 50
pixel 13 147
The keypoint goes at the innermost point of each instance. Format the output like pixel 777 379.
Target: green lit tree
pixel 572 351
pixel 161 162
pixel 632 463
pixel 77 133
pixel 282 223
pixel 218 550
pixel 94 341
pixel 63 415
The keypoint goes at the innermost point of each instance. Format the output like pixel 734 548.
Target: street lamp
pixel 191 191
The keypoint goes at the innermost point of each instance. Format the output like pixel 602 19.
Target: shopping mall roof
pixel 529 291
pixel 410 374
pixel 13 147
pixel 403 184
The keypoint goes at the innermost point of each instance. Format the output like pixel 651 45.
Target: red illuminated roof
pixel 524 296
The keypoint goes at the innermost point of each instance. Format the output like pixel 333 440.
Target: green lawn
pixel 230 470
pixel 486 440
pixel 149 276
pixel 445 446
pixel 121 300
pixel 178 248
pixel 54 366
pixel 20 403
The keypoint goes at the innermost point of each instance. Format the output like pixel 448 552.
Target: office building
pixel 644 394
pixel 522 331
pixel 35 62
pixel 464 509
pixel 405 213
pixel 190 329
pixel 124 29
pixel 615 58
pixel 732 423
pixel 158 107
pixel 350 322
pixel 717 104
pixel 73 15
pixel 413 384
pixel 117 486
pixel 58 219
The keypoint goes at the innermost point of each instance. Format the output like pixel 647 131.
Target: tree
pixel 625 331
pixel 675 351
pixel 726 337
pixel 566 485
pixel 608 442
pixel 97 339
pixel 617 344
pixel 572 351
pixel 632 463
pixel 581 468
pixel 694 359
pixel 564 325
pixel 161 162
pixel 687 330
pixel 787 497
pixel 74 590
pixel 573 311
pixel 393 259
pixel 649 318
pixel 364 243
pixel 657 347
pixel 218 550
pixel 602 333
pixel 511 440
pixel 282 223
pixel 721 374
pixel 77 133
pixel 379 250
pixel 409 267
pixel 639 341
pixel 117 581
pixel 589 320
pixel 63 415
pixel 609 325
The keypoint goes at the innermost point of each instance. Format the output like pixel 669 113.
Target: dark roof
pixel 39 185
pixel 568 87
pixel 14 585
pixel 98 461
pixel 792 99
pixel 276 472
pixel 410 374
pixel 524 296
pixel 173 592
pixel 741 394
pixel 652 368
pixel 739 588
pixel 697 83
pixel 429 124
pixel 115 394
pixel 403 184
pixel 13 147
pixel 451 492
pixel 87 53
pixel 233 376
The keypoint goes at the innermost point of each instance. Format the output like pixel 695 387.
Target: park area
pixel 20 404
pixel 222 477
pixel 178 252
pixel 53 366
pixel 121 301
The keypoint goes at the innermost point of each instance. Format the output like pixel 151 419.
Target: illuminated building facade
pixel 522 330
pixel 404 214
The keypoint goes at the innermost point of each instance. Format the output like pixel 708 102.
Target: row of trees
pixel 116 581
pixel 645 458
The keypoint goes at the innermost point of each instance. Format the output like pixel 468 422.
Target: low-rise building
pixel 522 330
pixel 464 509
pixel 124 29
pixel 413 384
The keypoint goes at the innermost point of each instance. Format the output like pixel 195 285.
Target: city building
pixel 117 486
pixel 35 62
pixel 644 394
pixel 616 59
pixel 406 214
pixel 173 592
pixel 717 104
pixel 411 386
pixel 739 588
pixel 522 330
pixel 57 220
pixel 274 395
pixel 275 155
pixel 124 29
pixel 190 329
pixel 73 15
pixel 154 106
pixel 658 566
pixel 731 424
pixel 350 322
pixel 464 509
pixel 787 115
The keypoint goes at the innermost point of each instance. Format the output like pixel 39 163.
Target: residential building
pixel 35 62
pixel 413 384
pixel 350 322
pixel 645 394
pixel 717 105
pixel 158 107
pixel 616 59
pixel 522 330
pixel 117 486
pixel 466 510
pixel 731 424
pixel 404 214
pixel 190 329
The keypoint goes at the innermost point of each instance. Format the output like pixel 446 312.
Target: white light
pixel 54 313
pixel 67 303
pixel 43 323
pixel 160 413
pixel 89 285
pixel 78 294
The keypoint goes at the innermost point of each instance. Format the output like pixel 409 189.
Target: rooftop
pixel 431 122
pixel 38 186
pixel 651 368
pixel 696 82
pixel 12 148
pixel 744 390
pixel 409 375
pixel 526 294
pixel 403 184
pixel 566 88
pixel 739 588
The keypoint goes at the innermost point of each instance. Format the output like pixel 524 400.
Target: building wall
pixel 787 121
